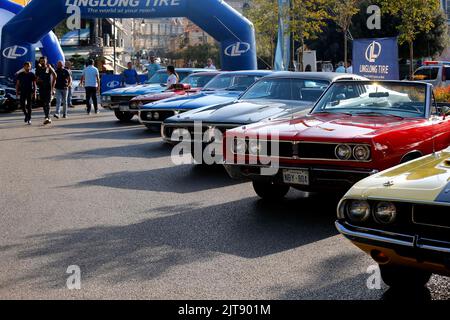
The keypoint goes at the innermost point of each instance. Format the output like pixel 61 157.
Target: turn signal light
pixel 379 256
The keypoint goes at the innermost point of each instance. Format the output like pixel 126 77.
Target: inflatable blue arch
pixel 50 43
pixel 234 32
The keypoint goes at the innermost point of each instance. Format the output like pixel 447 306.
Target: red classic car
pixel 356 129
pixel 190 85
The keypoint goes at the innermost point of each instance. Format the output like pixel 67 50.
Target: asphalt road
pixel 91 192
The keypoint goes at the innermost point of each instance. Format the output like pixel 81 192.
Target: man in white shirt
pixel 350 67
pixel 91 81
pixel 173 78
pixel 210 65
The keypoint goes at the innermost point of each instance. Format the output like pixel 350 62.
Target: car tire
pixel 270 191
pixel 123 116
pixel 404 277
pixel 153 127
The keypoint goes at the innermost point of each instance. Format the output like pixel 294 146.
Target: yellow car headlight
pixel 358 210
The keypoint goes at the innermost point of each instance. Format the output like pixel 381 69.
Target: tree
pixel 308 17
pixel 264 15
pixel 198 54
pixel 416 16
pixel 342 12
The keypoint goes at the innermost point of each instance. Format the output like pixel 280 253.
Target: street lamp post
pixel 114 44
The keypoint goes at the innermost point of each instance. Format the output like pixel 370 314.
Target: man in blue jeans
pixel 91 81
pixel 63 82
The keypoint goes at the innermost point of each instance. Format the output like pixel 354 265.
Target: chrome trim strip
pixel 372 172
pixel 413 244
pixel 204 124
pixel 342 229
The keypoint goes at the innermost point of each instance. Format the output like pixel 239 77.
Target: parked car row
pixel 384 144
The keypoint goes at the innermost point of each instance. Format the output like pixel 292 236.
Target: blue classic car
pixel 118 99
pixel 281 94
pixel 224 88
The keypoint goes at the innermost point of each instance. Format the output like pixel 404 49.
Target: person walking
pixel 63 82
pixel 91 81
pixel 129 76
pixel 68 67
pixel 173 79
pixel 46 79
pixel 26 90
pixel 210 64
pixel 153 67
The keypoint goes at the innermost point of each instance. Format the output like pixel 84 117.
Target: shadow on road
pixel 178 179
pixel 174 237
pixel 149 150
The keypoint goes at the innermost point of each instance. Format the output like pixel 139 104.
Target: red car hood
pixel 331 126
pixel 165 95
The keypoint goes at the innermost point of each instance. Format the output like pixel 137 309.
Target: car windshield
pixel 231 82
pixel 398 99
pixel 198 81
pixel 76 75
pixel 287 89
pixel 429 73
pixel 158 78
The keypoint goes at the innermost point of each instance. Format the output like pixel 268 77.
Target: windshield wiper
pixel 334 112
pixel 373 113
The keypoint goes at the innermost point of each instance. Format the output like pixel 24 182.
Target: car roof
pixel 330 76
pixel 250 72
pixel 191 69
pixel 206 73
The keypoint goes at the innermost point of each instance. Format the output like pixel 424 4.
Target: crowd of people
pixel 56 83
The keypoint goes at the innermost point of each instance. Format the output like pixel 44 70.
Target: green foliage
pixel 78 62
pixel 199 54
pixel 264 16
pixel 415 15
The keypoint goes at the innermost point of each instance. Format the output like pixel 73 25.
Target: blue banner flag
pixel 376 59
pixel 283 52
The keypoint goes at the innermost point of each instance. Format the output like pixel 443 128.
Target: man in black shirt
pixel 46 78
pixel 63 82
pixel 26 90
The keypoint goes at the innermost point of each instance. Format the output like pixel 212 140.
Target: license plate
pixel 124 108
pixel 296 177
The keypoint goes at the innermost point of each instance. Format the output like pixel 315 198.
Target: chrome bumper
pixel 380 237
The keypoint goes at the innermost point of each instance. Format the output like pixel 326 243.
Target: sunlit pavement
pixel 91 192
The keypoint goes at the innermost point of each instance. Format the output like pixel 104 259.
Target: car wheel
pixel 153 127
pixel 404 277
pixel 410 157
pixel 123 116
pixel 270 191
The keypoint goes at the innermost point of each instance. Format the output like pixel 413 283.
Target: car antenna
pixel 433 101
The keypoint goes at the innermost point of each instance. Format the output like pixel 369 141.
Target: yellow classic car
pixel 401 218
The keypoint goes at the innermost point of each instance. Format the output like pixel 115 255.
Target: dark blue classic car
pixel 275 96
pixel 118 99
pixel 224 88
pixel 8 98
